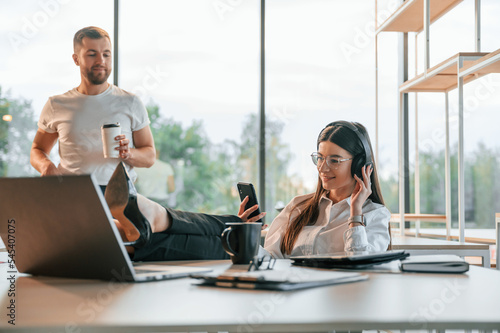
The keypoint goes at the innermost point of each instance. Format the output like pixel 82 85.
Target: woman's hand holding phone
pixel 244 214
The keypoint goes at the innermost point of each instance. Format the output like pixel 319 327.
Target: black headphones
pixel 360 160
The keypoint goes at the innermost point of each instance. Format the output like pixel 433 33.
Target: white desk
pixel 384 301
pixel 424 246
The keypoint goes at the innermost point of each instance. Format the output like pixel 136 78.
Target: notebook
pixel 440 263
pixel 61 226
pixel 292 278
pixel 349 259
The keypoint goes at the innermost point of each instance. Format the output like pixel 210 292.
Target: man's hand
pixel 51 170
pixel 123 148
pixel 144 153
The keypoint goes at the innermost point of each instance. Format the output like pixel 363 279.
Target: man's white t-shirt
pixel 77 119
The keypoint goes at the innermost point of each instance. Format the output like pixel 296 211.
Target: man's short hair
pixel 90 32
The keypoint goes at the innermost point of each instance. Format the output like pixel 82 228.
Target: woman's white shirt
pixel 331 232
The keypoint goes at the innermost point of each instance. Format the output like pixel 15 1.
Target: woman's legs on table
pixel 191 236
pixel 178 235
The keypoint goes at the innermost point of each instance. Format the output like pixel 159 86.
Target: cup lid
pixel 111 125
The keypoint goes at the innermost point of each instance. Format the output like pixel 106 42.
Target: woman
pixel 347 212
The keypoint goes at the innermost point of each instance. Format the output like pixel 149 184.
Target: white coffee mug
pixel 109 132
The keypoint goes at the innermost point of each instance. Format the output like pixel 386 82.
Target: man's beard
pixel 98 79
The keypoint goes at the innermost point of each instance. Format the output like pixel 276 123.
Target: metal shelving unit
pixel 417 16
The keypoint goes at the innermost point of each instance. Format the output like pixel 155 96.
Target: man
pixel 75 118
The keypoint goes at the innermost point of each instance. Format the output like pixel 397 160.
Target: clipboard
pixel 293 278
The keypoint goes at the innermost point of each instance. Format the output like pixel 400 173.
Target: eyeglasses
pixel 264 263
pixel 333 163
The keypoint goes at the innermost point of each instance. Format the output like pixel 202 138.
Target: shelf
pixel 410 16
pixel 442 77
pixel 490 63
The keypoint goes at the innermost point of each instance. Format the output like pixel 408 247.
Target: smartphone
pixel 247 189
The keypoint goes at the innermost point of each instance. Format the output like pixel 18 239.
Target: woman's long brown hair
pixel 347 139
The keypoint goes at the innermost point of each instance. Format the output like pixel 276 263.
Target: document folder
pixel 292 278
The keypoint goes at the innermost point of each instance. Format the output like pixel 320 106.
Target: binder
pixel 292 278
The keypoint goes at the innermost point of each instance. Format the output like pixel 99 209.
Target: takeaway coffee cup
pixel 109 132
pixel 241 241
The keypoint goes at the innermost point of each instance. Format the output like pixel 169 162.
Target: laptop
pixel 61 226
